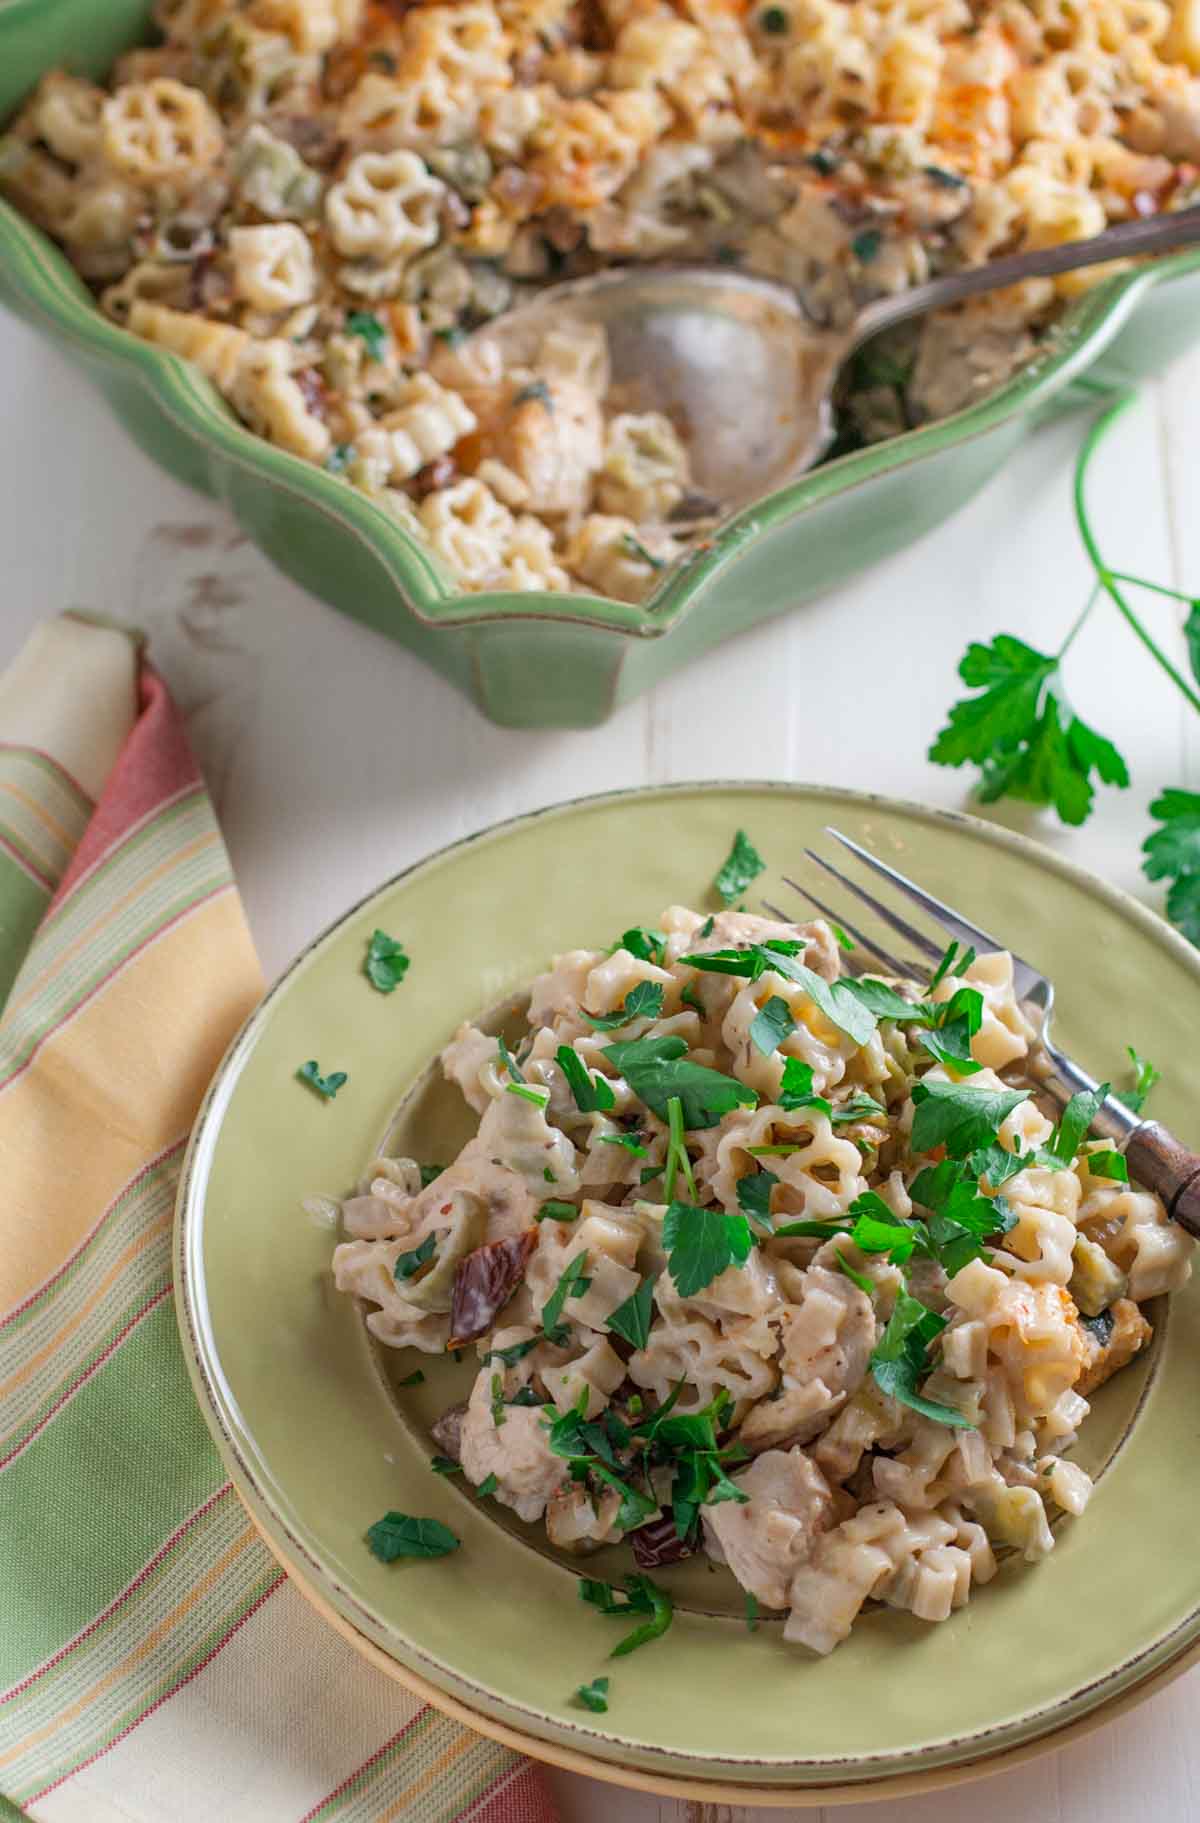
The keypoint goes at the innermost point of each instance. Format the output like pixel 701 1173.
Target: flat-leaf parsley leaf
pixel 400 1535
pixel 386 964
pixel 657 1069
pixel 701 1244
pixel 325 1086
pixel 741 865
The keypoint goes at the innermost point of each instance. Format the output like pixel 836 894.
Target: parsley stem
pixel 1156 588
pixel 1080 622
pixel 1107 578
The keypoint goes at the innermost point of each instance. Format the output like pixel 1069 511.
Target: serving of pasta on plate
pixel 770 1261
pixel 315 201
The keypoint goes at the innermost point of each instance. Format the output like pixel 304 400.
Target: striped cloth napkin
pixel 155 1665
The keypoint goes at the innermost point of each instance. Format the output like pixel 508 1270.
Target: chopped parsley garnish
pixel 751 1612
pixel 701 1244
pixel 526 1396
pixel 658 1069
pixel 878 1229
pixel 386 964
pixel 859 1107
pixel 400 1535
pixel 339 458
pixel 589 1448
pixel 961 1118
pixel 754 1197
pixel 677 1159
pixel 772 1024
pixel 951 963
pixel 445 1465
pixel 410 1263
pixel 1108 1164
pixel 639 1596
pixel 741 865
pixel 325 1086
pixel 632 1319
pixel 428 1173
pixel 416 1378
pixel 516 1351
pixel 642 1002
pixel 540 1098
pixel 572 1284
pixel 823 161
pixel 508 1061
pixel 487 1486
pixel 1077 1118
pixel 955 1023
pixel 548 1175
pixel 648 1173
pixel 646 945
pixel 706 929
pixel 796 1089
pixel 554 1211
pixel 1144 1078
pixel 537 392
pixel 852 1273
pixel 949 180
pixel 594 1696
pixel 841 1001
pixel 637 549
pixel 901 1359
pixel 592 1093
pixel 366 324
pixel 628 1141
pixel 497 1392
pixel 689 997
pixel 865 246
pixel 844 939
pixel 773 19
pixel 451 335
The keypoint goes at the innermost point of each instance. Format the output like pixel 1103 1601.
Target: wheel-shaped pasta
pixel 160 131
pixel 385 208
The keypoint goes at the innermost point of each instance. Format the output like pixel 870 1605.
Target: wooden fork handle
pixel 1157 1160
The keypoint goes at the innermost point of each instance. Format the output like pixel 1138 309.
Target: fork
pixel 1155 1157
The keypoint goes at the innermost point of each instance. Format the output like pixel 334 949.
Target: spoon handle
pixel 1177 228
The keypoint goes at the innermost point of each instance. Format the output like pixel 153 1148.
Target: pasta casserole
pixel 770 1262
pixel 315 201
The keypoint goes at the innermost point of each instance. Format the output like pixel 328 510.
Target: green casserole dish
pixel 550 660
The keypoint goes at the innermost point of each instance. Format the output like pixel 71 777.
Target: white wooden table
pixel 335 759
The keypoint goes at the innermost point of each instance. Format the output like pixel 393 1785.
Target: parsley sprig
pixel 1028 743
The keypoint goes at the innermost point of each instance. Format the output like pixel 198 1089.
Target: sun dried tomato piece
pixel 658 1543
pixel 484 1283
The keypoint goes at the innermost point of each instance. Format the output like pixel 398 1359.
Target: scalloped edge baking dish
pixel 540 660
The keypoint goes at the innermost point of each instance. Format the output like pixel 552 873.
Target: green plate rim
pixel 969 1752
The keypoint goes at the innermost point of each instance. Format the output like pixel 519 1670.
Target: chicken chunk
pixel 764 1540
pixel 516 1451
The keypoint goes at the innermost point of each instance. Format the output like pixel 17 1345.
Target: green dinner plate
pixel 321 1440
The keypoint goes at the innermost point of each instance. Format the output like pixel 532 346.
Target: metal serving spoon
pixel 742 372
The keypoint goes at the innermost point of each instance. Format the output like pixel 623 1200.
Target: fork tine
pixel 952 922
pixel 921 943
pixel 860 937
